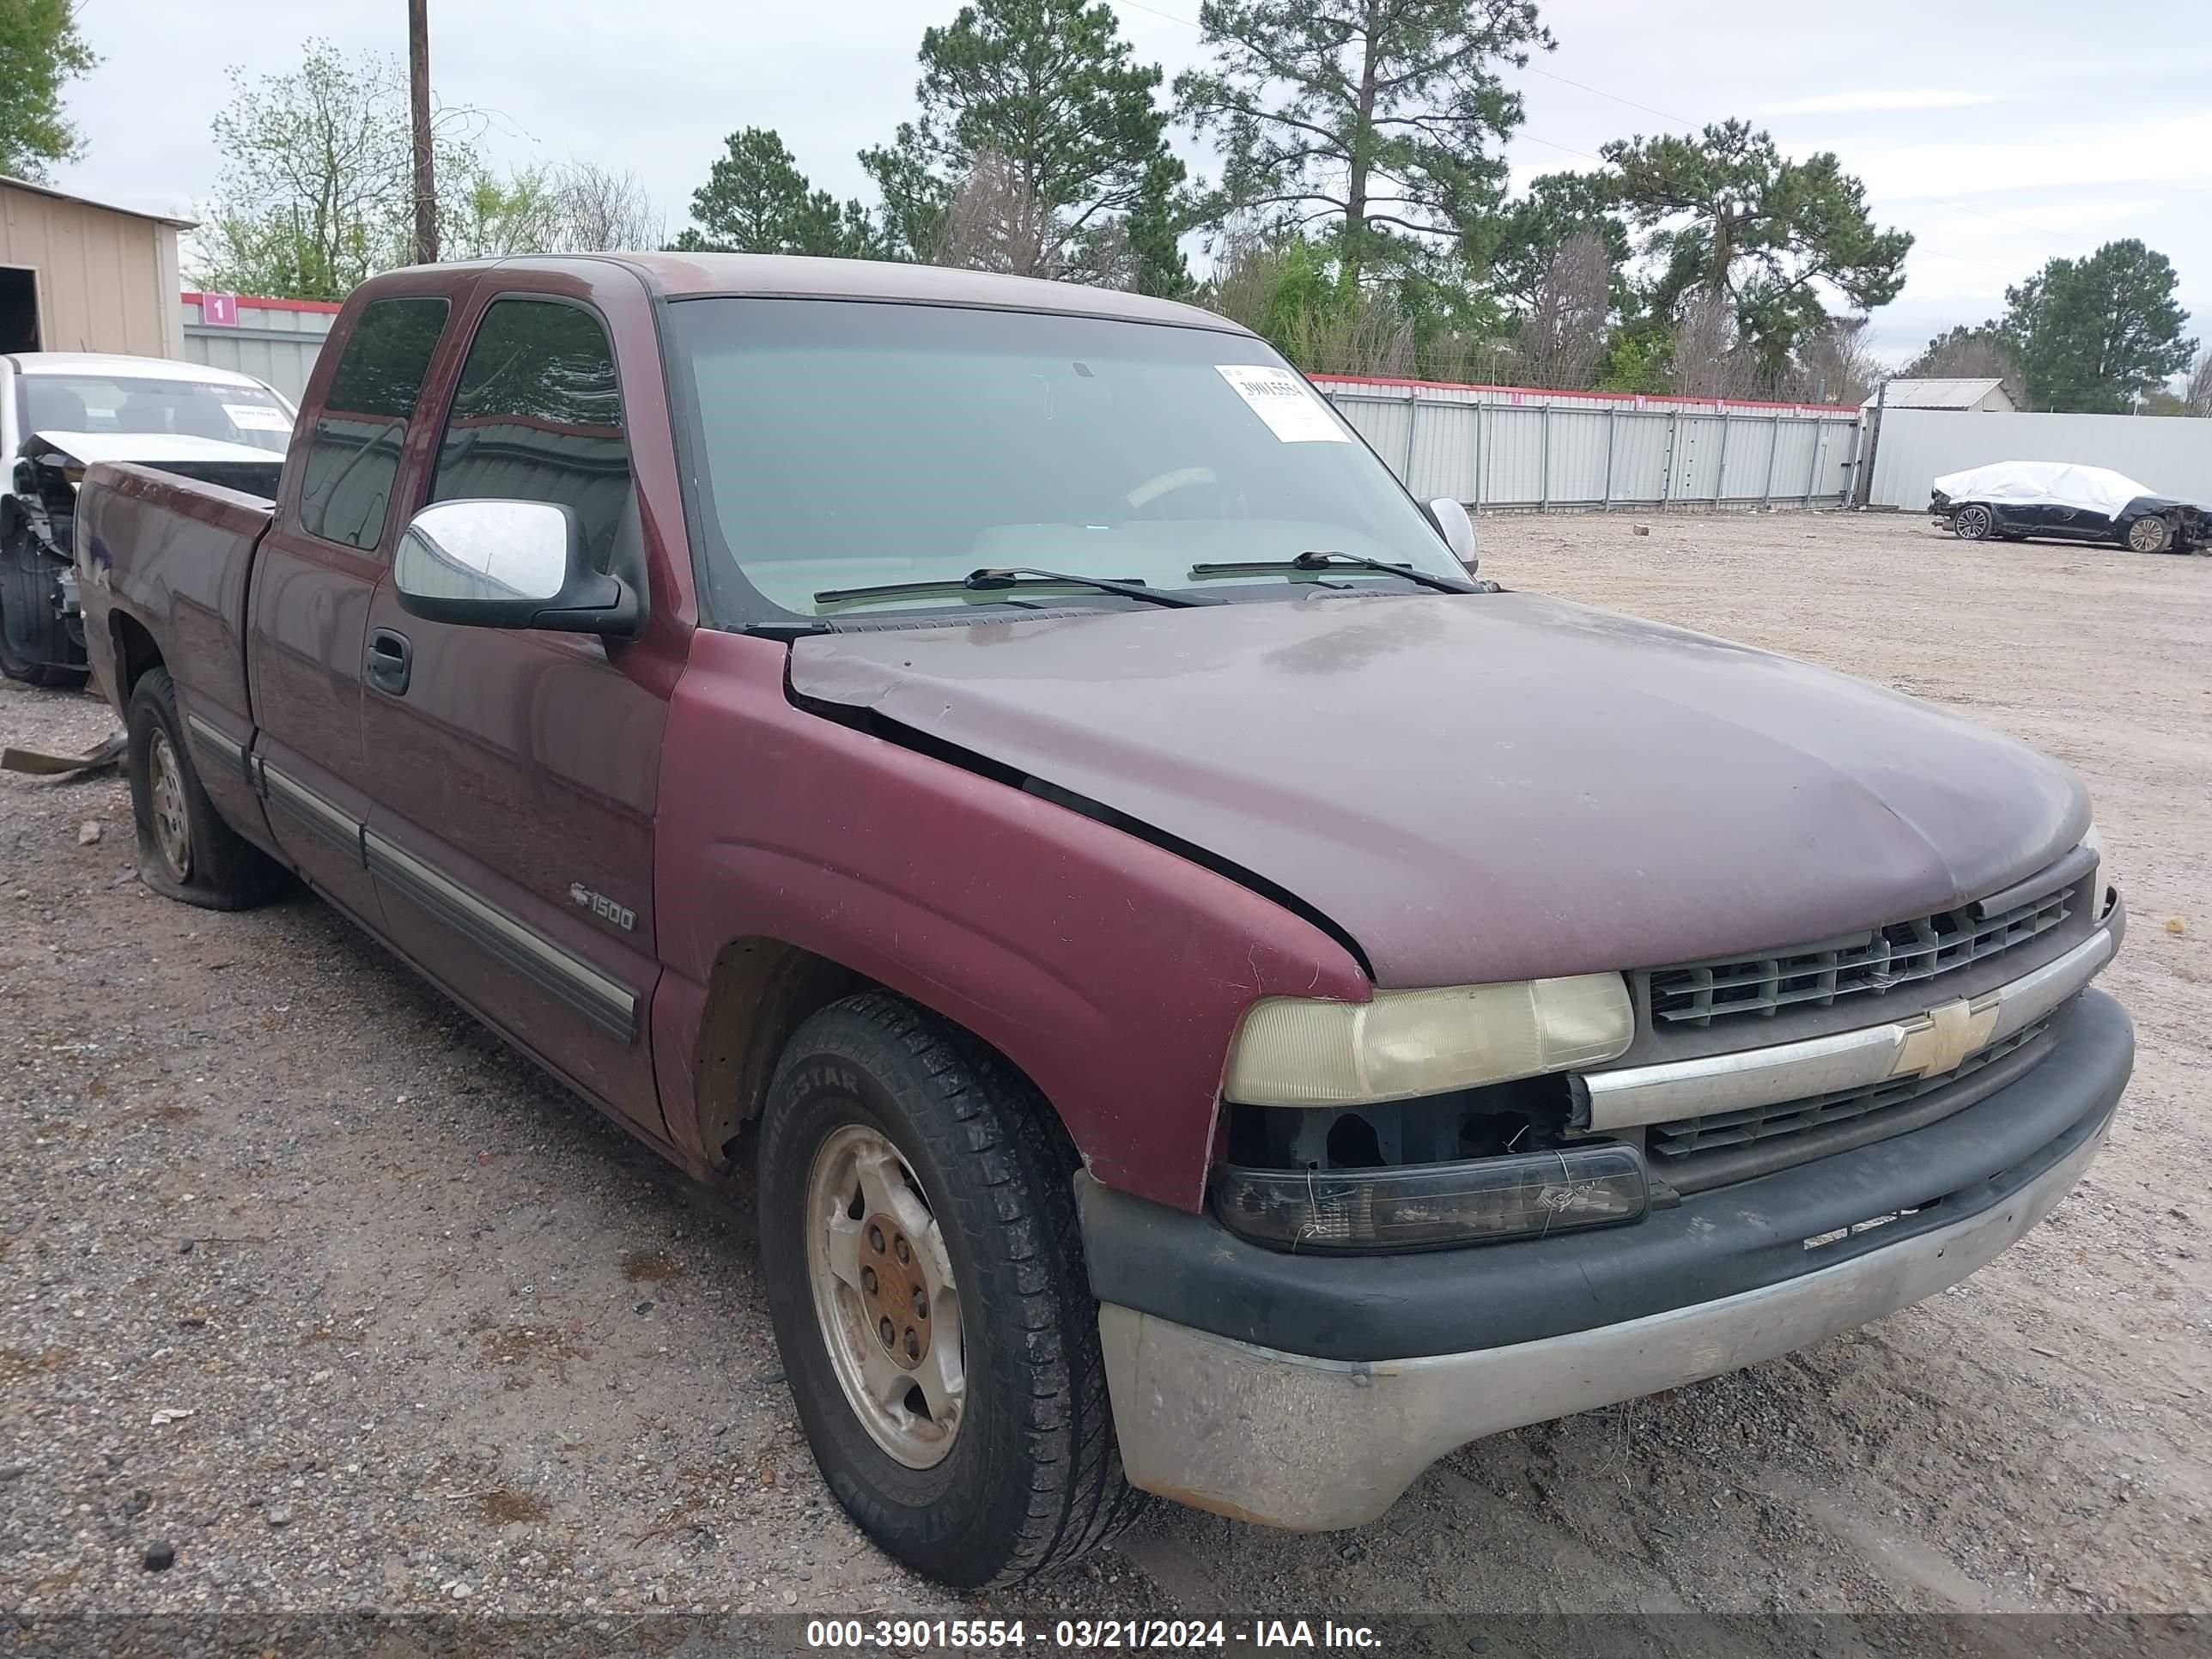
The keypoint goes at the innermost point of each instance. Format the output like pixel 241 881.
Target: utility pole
pixel 418 90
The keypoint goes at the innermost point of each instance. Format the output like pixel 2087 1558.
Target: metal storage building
pixel 77 274
pixel 1986 397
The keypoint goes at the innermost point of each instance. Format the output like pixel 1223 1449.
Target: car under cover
pixel 2097 489
pixel 1488 788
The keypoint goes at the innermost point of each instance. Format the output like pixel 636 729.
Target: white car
pixel 62 411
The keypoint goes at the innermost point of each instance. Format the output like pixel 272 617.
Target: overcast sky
pixel 2000 132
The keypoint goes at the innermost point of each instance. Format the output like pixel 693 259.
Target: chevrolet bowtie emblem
pixel 1938 1041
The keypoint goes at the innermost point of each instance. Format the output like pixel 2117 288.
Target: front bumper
pixel 1308 1393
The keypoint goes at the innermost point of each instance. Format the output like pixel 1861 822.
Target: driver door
pixel 514 770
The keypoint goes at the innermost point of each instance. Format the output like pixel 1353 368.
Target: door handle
pixel 391 659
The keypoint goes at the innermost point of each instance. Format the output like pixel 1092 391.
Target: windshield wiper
pixel 989 580
pixel 1330 560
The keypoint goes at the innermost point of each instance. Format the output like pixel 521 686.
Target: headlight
pixel 1291 1051
pixel 1432 1206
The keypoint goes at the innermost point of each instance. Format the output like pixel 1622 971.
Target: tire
pixel 185 851
pixel 26 673
pixel 970 1205
pixel 2152 533
pixel 1973 523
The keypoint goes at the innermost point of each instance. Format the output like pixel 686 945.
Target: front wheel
pixel 2150 534
pixel 918 1239
pixel 1973 523
pixel 41 636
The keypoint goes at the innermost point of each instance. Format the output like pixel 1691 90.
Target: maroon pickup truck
pixel 1215 1001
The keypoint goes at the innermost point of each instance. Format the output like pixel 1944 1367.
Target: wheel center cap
pixel 894 1291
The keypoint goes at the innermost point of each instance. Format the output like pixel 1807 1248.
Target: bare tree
pixel 1833 365
pixel 598 211
pixel 1708 362
pixel 1563 336
pixel 996 222
pixel 1244 279
pixel 2198 397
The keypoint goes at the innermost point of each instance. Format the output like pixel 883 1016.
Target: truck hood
pixel 154 448
pixel 1493 787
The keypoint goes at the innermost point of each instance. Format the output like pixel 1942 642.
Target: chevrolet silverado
pixel 1214 1001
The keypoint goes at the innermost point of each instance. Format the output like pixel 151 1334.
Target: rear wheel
pixel 2150 534
pixel 185 851
pixel 918 1238
pixel 1973 523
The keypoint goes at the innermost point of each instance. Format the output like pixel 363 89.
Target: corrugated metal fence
pixel 275 340
pixel 1507 448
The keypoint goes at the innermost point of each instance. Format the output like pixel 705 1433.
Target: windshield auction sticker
pixel 1285 402
pixel 253 417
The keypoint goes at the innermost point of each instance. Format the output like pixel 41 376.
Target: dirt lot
pixel 304 1277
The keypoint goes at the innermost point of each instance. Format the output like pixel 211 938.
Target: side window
pixel 353 456
pixel 537 417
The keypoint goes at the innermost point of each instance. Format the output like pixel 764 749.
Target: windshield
pixel 846 444
pixel 198 409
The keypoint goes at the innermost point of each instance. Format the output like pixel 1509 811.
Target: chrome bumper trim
pixel 1848 1059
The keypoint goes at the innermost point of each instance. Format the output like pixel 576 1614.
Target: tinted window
pixel 354 456
pixel 537 417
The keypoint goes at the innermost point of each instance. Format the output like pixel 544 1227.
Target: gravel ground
pixel 306 1280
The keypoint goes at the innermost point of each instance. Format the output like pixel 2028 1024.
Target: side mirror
pixel 507 564
pixel 1458 529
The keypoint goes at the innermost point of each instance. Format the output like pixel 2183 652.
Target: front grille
pixel 1902 953
pixel 1685 1135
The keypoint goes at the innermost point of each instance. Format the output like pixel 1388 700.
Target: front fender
pixel 1111 971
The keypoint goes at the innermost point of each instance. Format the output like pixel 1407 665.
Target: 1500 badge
pixel 603 907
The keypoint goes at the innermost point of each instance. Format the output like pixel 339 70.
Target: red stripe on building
pixel 191 297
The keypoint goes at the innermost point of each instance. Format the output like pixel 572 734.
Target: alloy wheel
pixel 2149 535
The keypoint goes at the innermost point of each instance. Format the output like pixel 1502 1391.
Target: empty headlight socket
pixel 1529 1114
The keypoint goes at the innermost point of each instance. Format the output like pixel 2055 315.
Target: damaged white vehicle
pixel 2019 500
pixel 60 412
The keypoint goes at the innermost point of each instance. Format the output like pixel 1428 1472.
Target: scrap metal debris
pixel 40 764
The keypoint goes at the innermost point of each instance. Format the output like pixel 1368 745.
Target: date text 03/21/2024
pixel 859 1635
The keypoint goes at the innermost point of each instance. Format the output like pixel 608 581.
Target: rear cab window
pixel 353 455
pixel 538 417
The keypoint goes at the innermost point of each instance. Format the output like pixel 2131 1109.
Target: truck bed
pixel 163 557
